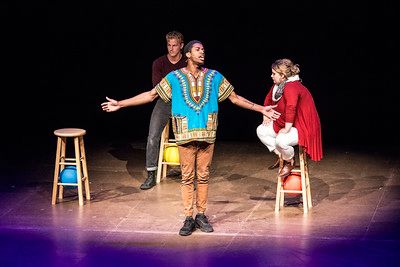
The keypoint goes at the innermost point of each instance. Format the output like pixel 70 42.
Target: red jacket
pixel 297 106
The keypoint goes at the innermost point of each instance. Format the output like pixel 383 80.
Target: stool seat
pixel 69 132
pixel 78 160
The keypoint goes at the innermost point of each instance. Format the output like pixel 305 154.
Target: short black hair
pixel 189 46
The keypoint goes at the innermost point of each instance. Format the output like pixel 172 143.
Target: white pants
pixel 283 143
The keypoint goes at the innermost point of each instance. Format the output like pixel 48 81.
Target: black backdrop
pixel 62 58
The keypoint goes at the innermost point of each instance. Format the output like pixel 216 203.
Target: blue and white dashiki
pixel 194 103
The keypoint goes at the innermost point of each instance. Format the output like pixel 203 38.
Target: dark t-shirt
pixel 162 66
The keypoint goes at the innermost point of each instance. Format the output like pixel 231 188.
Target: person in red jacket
pixel 299 123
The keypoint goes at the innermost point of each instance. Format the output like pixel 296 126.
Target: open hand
pixel 111 105
pixel 270 112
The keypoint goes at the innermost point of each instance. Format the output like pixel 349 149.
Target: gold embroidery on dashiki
pixel 196 86
pixel 183 135
pixel 224 90
pixel 179 124
pixel 164 90
pixel 199 90
pixel 195 135
pixel 212 121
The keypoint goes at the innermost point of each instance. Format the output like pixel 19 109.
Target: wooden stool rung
pixel 68 184
pixel 170 163
pixel 291 191
pixel 68 163
pixel 70 159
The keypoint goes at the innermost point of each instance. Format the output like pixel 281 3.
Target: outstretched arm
pixel 140 99
pixel 244 103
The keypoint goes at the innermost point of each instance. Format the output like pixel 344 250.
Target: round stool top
pixel 70 132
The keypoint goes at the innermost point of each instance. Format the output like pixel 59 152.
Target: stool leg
pixel 308 184
pixel 84 167
pixel 78 170
pixel 164 172
pixel 307 187
pixel 279 195
pixel 62 159
pixel 303 180
pixel 56 171
pixel 164 139
pixel 282 195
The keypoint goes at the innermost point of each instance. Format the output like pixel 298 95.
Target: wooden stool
pixel 305 184
pixel 165 142
pixel 79 161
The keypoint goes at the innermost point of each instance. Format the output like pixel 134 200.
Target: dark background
pixel 62 58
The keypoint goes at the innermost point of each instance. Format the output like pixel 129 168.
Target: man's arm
pixel 140 99
pixel 244 103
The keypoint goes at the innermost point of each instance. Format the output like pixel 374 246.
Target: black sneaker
pixel 203 224
pixel 188 226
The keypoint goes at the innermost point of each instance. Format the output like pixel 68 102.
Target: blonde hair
pixel 286 67
pixel 174 35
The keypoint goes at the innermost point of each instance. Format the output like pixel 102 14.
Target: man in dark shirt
pixel 173 60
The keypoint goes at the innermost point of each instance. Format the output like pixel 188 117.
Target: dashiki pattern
pixel 194 103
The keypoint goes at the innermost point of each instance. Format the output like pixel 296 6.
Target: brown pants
pixel 195 159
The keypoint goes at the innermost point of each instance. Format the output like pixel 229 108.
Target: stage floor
pixel 354 220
